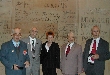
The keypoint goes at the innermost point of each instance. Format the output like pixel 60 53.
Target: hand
pixel 78 73
pixel 15 67
pixel 82 70
pixel 56 70
pixel 26 64
pixel 95 56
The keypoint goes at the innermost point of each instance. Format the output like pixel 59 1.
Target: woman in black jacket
pixel 50 55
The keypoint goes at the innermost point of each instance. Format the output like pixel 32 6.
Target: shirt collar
pixel 70 44
pixel 97 39
pixel 15 43
pixel 31 38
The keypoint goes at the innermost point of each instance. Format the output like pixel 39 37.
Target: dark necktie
pixel 33 49
pixel 17 49
pixel 68 49
pixel 93 49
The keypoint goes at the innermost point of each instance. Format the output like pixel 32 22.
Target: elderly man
pixel 71 57
pixel 14 54
pixel 34 48
pixel 95 53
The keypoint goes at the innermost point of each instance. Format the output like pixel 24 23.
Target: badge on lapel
pixel 25 52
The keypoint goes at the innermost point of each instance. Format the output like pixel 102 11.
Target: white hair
pixel 13 30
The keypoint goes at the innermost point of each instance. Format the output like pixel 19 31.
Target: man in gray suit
pixel 34 47
pixel 71 57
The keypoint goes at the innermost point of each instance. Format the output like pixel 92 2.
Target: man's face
pixel 50 38
pixel 33 32
pixel 17 35
pixel 95 32
pixel 70 38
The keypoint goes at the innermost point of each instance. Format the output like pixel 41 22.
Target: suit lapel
pixel 12 45
pixel 20 48
pixel 37 42
pixel 50 48
pixel 13 49
pixel 28 40
pixel 72 49
pixel 64 50
pixel 28 44
pixel 99 45
pixel 88 45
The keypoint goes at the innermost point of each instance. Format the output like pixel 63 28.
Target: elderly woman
pixel 50 55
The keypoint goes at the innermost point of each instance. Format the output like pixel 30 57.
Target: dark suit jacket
pixel 102 50
pixel 9 57
pixel 50 59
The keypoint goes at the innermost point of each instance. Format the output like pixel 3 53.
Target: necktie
pixel 93 49
pixel 17 45
pixel 33 50
pixel 68 49
pixel 17 49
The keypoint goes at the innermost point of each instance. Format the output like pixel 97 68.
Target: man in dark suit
pixel 95 53
pixel 14 55
pixel 34 48
pixel 71 57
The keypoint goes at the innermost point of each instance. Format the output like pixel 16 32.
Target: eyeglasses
pixel 15 34
pixel 34 31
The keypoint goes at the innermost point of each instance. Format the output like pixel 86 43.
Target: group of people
pixel 24 56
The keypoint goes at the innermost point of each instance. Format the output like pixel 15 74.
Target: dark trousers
pixel 91 71
pixel 50 71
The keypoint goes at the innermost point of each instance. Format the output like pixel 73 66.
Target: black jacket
pixel 50 59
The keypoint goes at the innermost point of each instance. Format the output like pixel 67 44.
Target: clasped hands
pixel 95 56
pixel 15 67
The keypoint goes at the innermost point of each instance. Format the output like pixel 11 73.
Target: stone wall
pixel 60 16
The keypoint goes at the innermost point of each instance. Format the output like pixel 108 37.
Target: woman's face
pixel 50 38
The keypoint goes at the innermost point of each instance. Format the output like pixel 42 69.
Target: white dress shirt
pixel 16 44
pixel 97 42
pixel 31 41
pixel 69 45
pixel 47 48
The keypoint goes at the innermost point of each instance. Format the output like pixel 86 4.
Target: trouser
pixel 91 71
pixel 49 71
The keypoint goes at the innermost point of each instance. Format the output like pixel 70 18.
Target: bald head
pixel 71 37
pixel 95 31
pixel 33 32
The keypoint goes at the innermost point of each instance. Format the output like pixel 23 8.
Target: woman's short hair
pixel 49 33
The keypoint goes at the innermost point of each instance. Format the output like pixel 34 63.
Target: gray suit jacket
pixel 36 61
pixel 72 64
